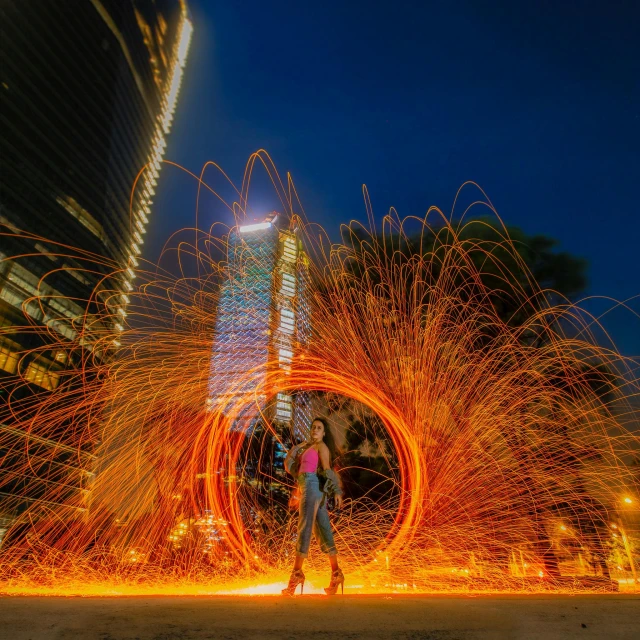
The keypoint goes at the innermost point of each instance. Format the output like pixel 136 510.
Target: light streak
pixel 503 433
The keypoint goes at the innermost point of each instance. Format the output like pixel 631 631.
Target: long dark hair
pixel 329 440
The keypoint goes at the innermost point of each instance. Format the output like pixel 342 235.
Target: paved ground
pixel 321 618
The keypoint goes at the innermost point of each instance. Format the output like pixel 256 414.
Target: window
pixel 9 355
pixel 75 273
pixel 83 216
pixel 62 328
pixel 39 374
pixel 283 406
pixel 12 297
pixel 290 250
pixel 42 249
pixel 288 285
pixel 65 307
pixel 287 320
pixel 25 280
pixel 285 356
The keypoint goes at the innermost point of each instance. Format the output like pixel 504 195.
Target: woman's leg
pixel 306 517
pixel 324 534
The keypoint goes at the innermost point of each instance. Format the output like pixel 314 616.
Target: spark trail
pixel 512 435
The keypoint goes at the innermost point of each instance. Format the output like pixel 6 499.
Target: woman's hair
pixel 329 440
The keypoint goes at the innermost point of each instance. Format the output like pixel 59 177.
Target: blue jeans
pixel 313 514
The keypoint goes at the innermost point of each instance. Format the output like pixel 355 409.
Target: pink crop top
pixel 309 461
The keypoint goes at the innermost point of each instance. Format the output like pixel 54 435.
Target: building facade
pixel 263 318
pixel 88 92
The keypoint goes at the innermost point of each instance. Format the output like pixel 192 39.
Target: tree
pixel 520 276
pixel 521 265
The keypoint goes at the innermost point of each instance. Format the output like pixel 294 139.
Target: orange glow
pixel 487 419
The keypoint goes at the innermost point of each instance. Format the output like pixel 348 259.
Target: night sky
pixel 538 102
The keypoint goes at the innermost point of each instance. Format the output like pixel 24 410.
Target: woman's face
pixel 317 431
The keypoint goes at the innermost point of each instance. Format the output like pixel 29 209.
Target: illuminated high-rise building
pixel 263 317
pixel 88 91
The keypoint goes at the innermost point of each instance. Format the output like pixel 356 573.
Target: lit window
pixel 83 216
pixel 30 284
pixel 64 306
pixel 11 296
pixel 45 251
pixel 9 355
pixel 24 279
pixel 75 273
pixel 39 374
pixel 288 285
pixel 290 250
pixel 287 320
pixel 62 328
pixel 285 357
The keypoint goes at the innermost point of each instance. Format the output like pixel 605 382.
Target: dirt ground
pixel 321 618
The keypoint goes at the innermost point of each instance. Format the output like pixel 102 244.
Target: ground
pixel 321 618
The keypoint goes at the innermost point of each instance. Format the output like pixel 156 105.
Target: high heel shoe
pixel 296 578
pixel 337 578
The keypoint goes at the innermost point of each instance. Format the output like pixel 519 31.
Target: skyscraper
pixel 263 317
pixel 88 92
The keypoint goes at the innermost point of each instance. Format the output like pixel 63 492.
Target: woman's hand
pixel 338 499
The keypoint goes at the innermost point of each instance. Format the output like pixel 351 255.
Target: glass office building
pixel 263 318
pixel 88 91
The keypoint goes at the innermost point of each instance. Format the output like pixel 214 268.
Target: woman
pixel 306 461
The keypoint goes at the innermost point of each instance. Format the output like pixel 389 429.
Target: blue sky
pixel 538 102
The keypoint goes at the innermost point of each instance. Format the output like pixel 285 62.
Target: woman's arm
pixel 325 458
pixel 325 462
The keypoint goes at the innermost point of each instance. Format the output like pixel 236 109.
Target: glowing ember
pixel 511 438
